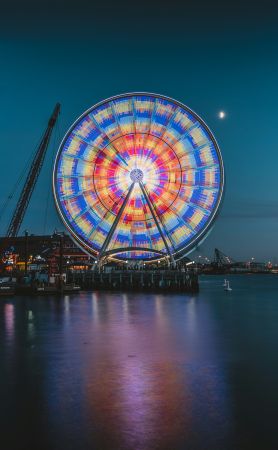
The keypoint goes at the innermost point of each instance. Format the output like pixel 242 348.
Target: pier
pixel 140 281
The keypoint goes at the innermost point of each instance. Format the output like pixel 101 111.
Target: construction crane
pixel 32 177
pixel 221 260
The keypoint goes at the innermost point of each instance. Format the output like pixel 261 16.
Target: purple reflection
pixel 140 372
pixel 9 321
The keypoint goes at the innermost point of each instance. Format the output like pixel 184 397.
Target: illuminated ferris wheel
pixel 138 176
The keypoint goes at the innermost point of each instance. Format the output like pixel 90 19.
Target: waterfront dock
pixel 141 280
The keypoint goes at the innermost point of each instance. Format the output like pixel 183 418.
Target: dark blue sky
pixel 210 56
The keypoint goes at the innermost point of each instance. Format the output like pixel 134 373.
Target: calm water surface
pixel 129 371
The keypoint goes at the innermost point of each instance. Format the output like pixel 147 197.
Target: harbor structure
pixel 138 181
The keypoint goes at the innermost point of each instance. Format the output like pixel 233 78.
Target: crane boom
pixel 220 259
pixel 32 177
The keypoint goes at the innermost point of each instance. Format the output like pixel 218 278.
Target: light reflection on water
pixel 9 320
pixel 129 371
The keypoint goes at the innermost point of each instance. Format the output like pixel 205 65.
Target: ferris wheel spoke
pixel 152 185
pixel 146 220
pixel 195 206
pixel 106 135
pixel 186 134
pixel 79 158
pixel 150 137
pixel 75 195
pixel 165 162
pixel 158 182
pixel 201 208
pixel 156 221
pixel 161 138
pixel 208 166
pixel 111 159
pixel 120 128
pixel 81 213
pixel 96 149
pixel 176 213
pixel 161 219
pixel 165 129
pixel 152 116
pixel 134 128
pixel 104 188
pixel 118 155
pixel 151 149
pixel 196 148
pixel 195 187
pixel 117 182
pixel 148 134
pixel 140 155
pixel 175 192
pixel 192 152
pixel 96 229
pixel 73 176
pixel 198 168
pixel 105 177
pixel 115 223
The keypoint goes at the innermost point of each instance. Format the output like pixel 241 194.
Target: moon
pixel 221 114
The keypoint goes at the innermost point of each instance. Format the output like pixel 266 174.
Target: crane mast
pixel 32 177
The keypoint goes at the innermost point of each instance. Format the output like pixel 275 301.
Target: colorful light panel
pixel 178 163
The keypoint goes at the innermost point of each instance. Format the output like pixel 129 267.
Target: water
pixel 141 372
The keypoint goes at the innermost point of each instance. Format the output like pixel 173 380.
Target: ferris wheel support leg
pixel 114 226
pixel 157 223
pixel 100 263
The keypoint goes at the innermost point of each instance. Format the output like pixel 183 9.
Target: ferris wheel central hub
pixel 136 175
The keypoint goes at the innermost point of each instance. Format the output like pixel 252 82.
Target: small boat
pixel 225 283
pixel 70 288
pixel 227 287
pixel 6 289
pixel 65 289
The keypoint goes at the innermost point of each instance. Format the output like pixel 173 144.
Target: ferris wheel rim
pixel 180 253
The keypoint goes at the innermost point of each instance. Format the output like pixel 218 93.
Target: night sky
pixel 211 56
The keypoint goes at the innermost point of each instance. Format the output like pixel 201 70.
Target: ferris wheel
pixel 138 176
